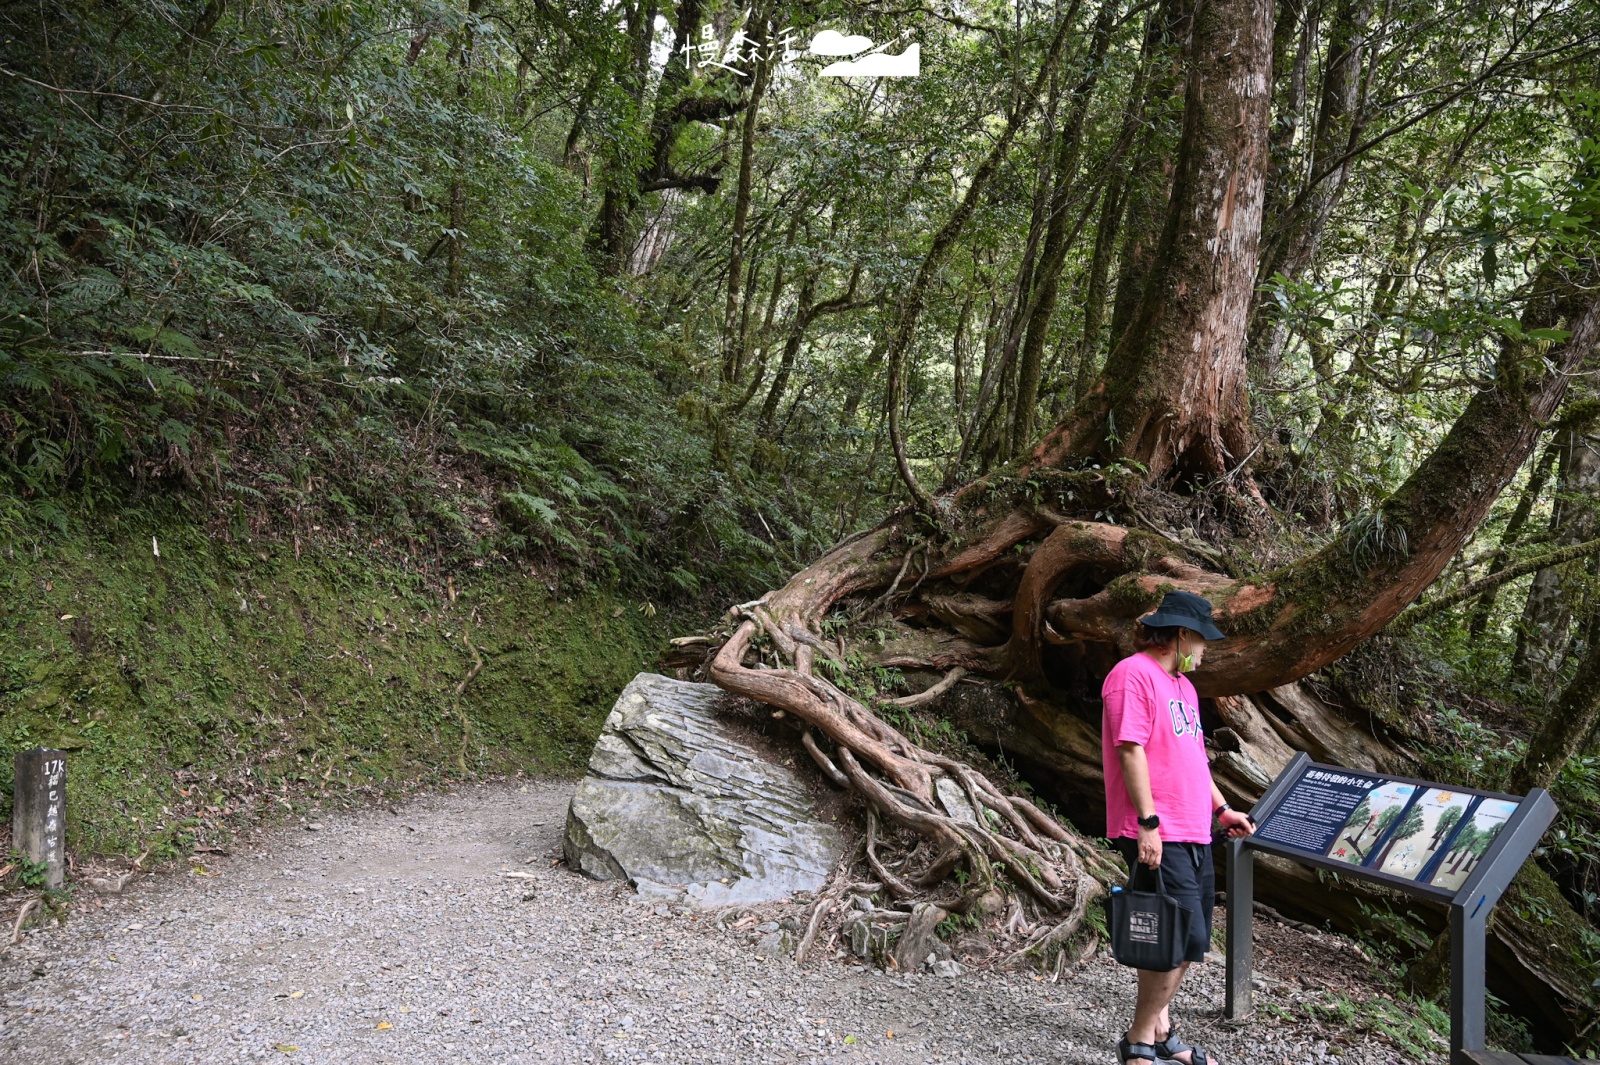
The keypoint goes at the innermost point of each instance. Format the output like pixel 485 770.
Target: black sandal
pixel 1135 1051
pixel 1169 1048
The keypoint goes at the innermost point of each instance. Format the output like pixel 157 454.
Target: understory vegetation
pixel 381 384
pixel 215 685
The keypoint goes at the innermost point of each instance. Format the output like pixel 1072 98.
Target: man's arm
pixel 1237 822
pixel 1136 778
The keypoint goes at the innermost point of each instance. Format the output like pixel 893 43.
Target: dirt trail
pixel 397 937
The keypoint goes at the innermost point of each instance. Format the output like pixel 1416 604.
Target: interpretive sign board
pixel 1459 846
pixel 1420 837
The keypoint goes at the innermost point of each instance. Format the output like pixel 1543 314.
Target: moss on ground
pixel 217 683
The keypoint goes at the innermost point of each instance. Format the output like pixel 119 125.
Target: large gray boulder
pixel 677 805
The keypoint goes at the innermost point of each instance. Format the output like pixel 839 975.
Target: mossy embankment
pixel 217 683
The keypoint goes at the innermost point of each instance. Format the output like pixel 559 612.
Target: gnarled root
pixel 968 828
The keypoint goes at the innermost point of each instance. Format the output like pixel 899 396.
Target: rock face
pixel 675 804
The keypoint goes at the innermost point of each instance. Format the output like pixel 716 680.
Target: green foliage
pixel 1374 538
pixel 957 923
pixel 29 873
pixel 1413 1025
pixel 223 682
pixel 323 275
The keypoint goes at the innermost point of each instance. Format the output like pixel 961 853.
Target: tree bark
pixel 1566 727
pixel 1172 396
pixel 1542 639
pixel 1291 245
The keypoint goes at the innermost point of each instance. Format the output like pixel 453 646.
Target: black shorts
pixel 1189 877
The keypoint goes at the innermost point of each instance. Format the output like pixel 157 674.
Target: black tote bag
pixel 1149 929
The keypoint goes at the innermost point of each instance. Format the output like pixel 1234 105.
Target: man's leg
pixel 1192 878
pixel 1151 1017
pixel 1163 1025
pixel 1150 1008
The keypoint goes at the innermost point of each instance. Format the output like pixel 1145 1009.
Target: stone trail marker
pixel 39 812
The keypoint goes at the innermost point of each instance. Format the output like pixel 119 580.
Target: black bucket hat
pixel 1191 611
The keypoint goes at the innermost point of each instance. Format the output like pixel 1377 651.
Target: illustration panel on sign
pixel 1424 827
pixel 1467 847
pixel 1377 812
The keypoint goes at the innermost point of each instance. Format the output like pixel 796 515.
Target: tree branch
pixel 1422 611
pixel 706 182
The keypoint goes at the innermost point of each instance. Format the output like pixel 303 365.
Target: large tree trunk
pixel 1173 393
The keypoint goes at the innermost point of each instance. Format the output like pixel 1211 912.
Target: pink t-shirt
pixel 1145 704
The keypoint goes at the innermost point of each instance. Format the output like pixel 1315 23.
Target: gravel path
pixel 396 937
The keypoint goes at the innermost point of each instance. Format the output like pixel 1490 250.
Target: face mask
pixel 1186 663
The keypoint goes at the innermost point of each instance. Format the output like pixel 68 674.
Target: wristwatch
pixel 1219 811
pixel 1153 821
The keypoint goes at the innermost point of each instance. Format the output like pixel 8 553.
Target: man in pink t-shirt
pixel 1161 801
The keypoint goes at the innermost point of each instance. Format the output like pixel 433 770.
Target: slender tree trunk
pixel 455 246
pixel 1566 727
pixel 1039 309
pixel 958 346
pixel 1542 640
pixel 909 312
pixel 1513 534
pixel 1148 178
pixel 791 350
pixel 1292 243
pixel 733 337
pixel 1096 287
pixel 580 115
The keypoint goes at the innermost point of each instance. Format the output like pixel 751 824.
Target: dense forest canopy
pixel 1294 305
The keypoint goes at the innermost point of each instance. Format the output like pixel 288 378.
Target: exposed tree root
pixel 970 830
pixel 22 917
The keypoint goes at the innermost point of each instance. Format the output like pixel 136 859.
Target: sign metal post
pixel 1458 846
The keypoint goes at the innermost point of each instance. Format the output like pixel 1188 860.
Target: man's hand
pixel 1150 847
pixel 1236 823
